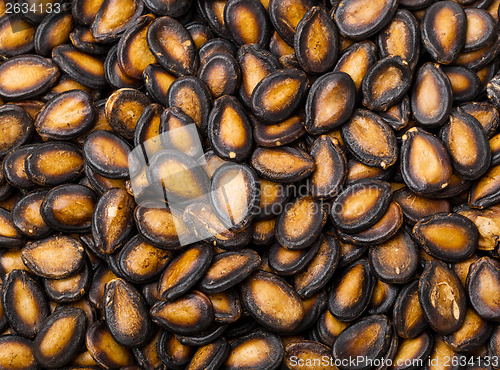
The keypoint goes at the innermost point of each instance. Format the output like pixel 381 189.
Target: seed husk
pixel 315 41
pixel 396 260
pixel 126 313
pixel 352 290
pixel 18 353
pixel 316 274
pixel 104 349
pixel 444 29
pixel 432 96
pixel 361 205
pixel 61 337
pixel 442 298
pixel 369 338
pixel 84 68
pixel 425 164
pixel 184 271
pixel 409 319
pixel 229 129
pixel 54 257
pixel 447 236
pixel 330 102
pixel 13 83
pixel 190 314
pixel 278 94
pixel 69 208
pixel 24 303
pixel 282 165
pixel 172 46
pixel 370 139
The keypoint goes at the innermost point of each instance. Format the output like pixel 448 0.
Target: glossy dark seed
pixel 112 220
pixel 442 298
pixel 331 167
pixel 352 290
pixel 83 40
pixel 126 313
pixel 486 113
pixel 26 215
pixel 447 236
pixel 425 164
pixel 27 76
pixel 483 281
pixel 330 102
pixel 473 333
pixel 226 305
pixel 409 320
pixel 368 338
pixel 54 163
pixel 62 336
pixel 278 94
pixel 113 18
pixel 300 223
pixel 401 37
pixel 288 262
pixel 444 29
pixel 356 60
pixel 431 97
pixel 285 16
pixel 283 312
pixel 104 349
pixel 283 165
pixel 413 351
pixel 229 129
pixel 278 134
pixel 157 81
pixel 16 126
pixel 159 225
pixel 107 154
pixel 210 356
pixel 358 19
pixel 184 271
pixel 386 83
pixel 316 274
pixel 123 109
pixel 485 191
pixel 361 205
pixel 416 207
pixel 17 353
pixel 190 314
pixel 140 261
pixel 316 41
pixel 84 68
pixel 173 353
pixel 179 132
pixel 247 22
pixel 465 83
pixel 480 27
pixel 255 63
pixel 370 139
pixel 172 46
pixel 258 349
pixel 381 231
pixel 221 73
pixel 24 303
pixel 69 208
pixel 69 289
pixel 228 269
pixel 193 96
pixel 383 298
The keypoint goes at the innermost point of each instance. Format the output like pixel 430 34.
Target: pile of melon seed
pixel 245 184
